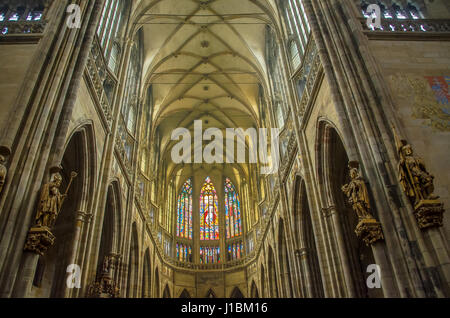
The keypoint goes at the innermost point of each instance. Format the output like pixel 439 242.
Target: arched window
pixel 235 251
pixel 184 253
pixel 298 28
pixel 209 254
pixel 233 222
pixel 184 211
pixel 295 56
pixel 209 216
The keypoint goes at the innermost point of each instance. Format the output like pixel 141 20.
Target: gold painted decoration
pixel 429 97
pixel 40 237
pixel 418 185
pixel 368 229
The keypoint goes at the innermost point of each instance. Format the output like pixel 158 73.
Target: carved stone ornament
pixel 369 230
pixel 39 240
pixel 417 183
pixel 104 286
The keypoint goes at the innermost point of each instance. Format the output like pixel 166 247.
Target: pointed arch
pixel 185 294
pixel 50 276
pixel 166 293
pixel 184 211
pixel 310 271
pixel 211 294
pixel 133 263
pixel 146 276
pixel 209 214
pixel 236 293
pixel 233 223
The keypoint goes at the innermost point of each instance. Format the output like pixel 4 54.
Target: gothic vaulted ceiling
pixel 204 60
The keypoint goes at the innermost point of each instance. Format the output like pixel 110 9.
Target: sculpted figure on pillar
pixel 40 238
pixel 357 194
pixel 416 181
pixel 3 172
pixel 50 202
pixel 368 229
pixel 418 185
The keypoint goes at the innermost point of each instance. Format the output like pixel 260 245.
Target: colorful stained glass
pixel 209 216
pixel 184 211
pixel 232 210
pixel 184 253
pixel 209 254
pixel 235 251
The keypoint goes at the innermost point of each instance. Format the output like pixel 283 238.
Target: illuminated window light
pixel 14 17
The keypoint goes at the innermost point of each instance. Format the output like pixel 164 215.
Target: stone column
pixel 81 219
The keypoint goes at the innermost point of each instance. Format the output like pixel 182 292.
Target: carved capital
pixel 429 213
pixel 369 230
pixel 39 240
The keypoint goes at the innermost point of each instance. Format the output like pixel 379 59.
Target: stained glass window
pixel 235 251
pixel 209 220
pixel 232 210
pixel 184 211
pixel 209 254
pixel 184 253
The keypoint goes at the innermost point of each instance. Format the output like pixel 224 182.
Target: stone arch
pixel 236 293
pixel 211 294
pixel 79 157
pixel 310 272
pixel 185 294
pixel 133 263
pixel 146 275
pixel 111 225
pixel 333 173
pixel 283 261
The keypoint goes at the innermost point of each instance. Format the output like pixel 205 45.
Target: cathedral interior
pixel 337 188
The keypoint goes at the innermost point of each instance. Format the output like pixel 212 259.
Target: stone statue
pixel 414 178
pixel 356 191
pixel 50 202
pixel 417 183
pixel 3 172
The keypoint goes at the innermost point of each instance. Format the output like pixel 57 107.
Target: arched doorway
pixel 146 276
pixel 236 293
pixel 210 294
pixel 311 278
pixel 334 173
pixel 185 294
pixel 133 263
pixel 51 271
pixel 285 269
